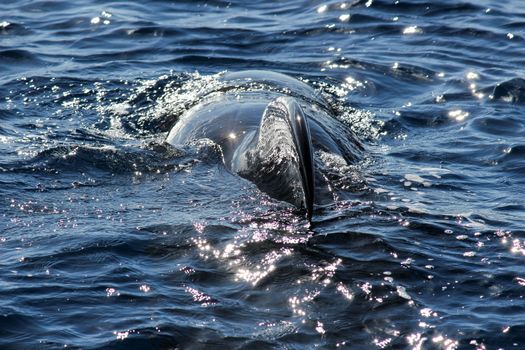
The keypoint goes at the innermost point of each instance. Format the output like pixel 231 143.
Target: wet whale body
pixel 272 130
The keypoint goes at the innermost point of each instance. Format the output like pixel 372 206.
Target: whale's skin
pixel 233 118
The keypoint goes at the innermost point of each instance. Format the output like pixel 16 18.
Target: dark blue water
pixel 110 238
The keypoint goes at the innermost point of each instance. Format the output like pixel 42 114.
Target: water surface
pixel 110 238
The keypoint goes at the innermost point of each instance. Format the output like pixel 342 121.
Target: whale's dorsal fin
pixel 279 157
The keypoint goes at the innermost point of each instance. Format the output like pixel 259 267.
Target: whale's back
pixel 223 119
pixel 262 146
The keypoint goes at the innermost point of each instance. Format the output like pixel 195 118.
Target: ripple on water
pixel 110 238
pixel 512 91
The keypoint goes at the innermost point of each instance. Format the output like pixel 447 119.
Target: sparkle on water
pixel 104 221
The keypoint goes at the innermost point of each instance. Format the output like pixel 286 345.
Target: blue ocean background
pixel 112 239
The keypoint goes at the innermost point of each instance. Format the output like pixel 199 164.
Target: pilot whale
pixel 270 128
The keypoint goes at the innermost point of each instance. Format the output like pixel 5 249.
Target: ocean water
pixel 112 239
